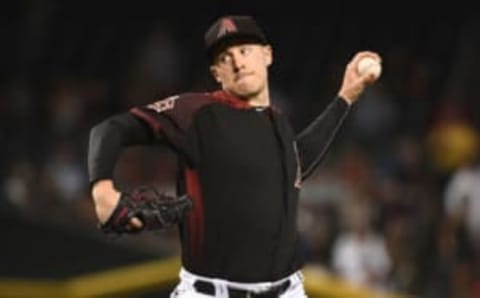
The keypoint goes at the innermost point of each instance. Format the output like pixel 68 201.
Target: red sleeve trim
pixel 150 119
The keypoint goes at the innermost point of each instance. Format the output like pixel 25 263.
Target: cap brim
pixel 231 40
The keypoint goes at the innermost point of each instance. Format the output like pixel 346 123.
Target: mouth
pixel 241 76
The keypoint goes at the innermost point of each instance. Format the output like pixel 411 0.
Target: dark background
pixel 65 65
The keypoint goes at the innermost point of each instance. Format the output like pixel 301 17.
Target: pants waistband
pixel 209 288
pixel 213 286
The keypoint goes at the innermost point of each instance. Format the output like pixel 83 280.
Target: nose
pixel 237 62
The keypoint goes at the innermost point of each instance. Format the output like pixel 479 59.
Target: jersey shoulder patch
pixel 164 104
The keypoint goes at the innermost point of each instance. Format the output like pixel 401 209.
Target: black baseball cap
pixel 231 30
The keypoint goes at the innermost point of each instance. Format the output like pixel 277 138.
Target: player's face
pixel 243 69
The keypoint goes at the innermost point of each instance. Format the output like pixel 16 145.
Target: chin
pixel 244 94
pixel 246 91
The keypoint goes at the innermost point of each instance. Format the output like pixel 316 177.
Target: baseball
pixel 369 65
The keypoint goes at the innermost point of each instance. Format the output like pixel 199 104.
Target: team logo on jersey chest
pixel 164 104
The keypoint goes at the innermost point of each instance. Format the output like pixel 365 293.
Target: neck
pixel 262 99
pixel 259 101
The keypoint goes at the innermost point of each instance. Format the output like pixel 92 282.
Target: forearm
pixel 314 141
pixel 107 140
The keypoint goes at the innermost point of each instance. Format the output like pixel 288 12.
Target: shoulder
pixel 182 101
pixel 178 110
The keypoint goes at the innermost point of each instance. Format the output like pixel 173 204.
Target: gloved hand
pixel 155 210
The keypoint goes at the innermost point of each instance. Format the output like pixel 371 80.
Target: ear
pixel 214 73
pixel 268 54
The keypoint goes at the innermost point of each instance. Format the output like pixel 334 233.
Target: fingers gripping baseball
pixel 364 69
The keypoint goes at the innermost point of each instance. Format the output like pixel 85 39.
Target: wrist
pixel 105 198
pixel 345 99
pixel 102 188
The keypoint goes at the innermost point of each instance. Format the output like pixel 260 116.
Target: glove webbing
pixel 155 210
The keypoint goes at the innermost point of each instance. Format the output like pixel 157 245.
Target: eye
pixel 245 50
pixel 224 59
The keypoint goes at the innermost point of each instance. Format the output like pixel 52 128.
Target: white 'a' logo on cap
pixel 226 26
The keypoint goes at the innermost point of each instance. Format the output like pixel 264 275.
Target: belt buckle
pixel 268 292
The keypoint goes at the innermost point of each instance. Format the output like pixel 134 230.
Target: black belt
pixel 206 287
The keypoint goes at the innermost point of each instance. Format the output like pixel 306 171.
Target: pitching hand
pixel 354 83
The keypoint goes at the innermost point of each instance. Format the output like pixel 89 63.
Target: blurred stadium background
pixel 393 209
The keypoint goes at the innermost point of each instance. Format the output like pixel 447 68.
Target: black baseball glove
pixel 155 210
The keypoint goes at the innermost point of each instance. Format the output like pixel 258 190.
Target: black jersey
pixel 241 166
